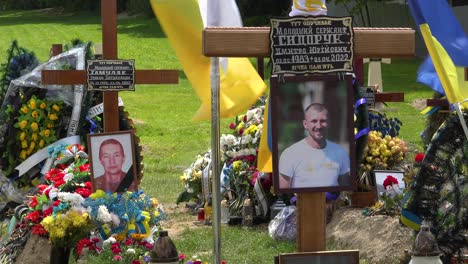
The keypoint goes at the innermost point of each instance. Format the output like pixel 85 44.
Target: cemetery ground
pixel 162 117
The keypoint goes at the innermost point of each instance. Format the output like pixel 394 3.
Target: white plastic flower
pixel 103 214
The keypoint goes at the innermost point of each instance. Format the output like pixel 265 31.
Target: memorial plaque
pixel 311 44
pixel 111 75
pixel 368 93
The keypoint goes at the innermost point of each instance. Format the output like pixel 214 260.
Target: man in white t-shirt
pixel 314 161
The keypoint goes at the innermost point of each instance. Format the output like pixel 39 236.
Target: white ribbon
pixel 206 181
pixel 258 189
pixel 99 109
pixel 42 154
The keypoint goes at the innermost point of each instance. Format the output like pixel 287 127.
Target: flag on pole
pixel 183 22
pixel 447 45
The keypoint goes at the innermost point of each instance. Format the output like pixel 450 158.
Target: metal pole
pixel 215 159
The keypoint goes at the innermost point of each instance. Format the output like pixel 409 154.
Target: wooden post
pixel 255 42
pixel 109 52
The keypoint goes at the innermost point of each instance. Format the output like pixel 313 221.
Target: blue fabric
pixel 444 27
pixel 427 75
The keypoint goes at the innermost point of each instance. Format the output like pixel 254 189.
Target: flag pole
pixel 213 19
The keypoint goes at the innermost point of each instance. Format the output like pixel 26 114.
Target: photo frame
pixel 321 257
pixel 290 96
pixel 380 176
pixel 112 161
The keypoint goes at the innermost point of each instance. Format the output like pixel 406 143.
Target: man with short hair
pixel 314 161
pixel 112 158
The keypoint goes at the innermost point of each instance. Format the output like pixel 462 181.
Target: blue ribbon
pixel 93 125
pixel 361 133
pixel 360 102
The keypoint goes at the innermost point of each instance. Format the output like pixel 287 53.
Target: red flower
pixel 33 203
pixel 39 230
pixel 232 126
pixel 88 185
pixel 182 257
pixel 136 261
pixel 84 192
pixel 241 131
pixel 34 216
pixel 389 181
pixel 245 118
pixel 419 157
pixel 56 203
pixel 47 212
pixel 84 167
pixel 197 262
pixel 41 188
pixel 128 241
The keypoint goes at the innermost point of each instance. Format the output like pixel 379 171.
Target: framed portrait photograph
pixel 112 161
pixel 312 133
pixel 388 181
pixel 321 257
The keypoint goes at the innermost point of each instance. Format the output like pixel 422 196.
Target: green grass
pixel 162 114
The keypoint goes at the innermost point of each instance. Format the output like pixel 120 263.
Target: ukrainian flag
pixel 446 43
pixel 240 84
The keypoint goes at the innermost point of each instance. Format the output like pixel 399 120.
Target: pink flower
pixel 182 257
pixel 117 258
pixel 232 126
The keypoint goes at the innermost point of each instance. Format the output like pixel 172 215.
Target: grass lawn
pixel 162 114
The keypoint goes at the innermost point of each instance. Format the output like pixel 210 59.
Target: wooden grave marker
pixel 255 42
pixel 109 52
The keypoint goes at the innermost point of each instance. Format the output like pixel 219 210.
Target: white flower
pixel 110 240
pixel 103 214
pixel 190 190
pixel 68 177
pixel 115 219
pixel 73 198
pixel 130 251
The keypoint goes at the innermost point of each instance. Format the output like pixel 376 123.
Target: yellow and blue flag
pixel 183 23
pixel 447 45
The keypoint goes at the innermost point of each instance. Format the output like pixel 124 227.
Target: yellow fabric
pixel 264 158
pixel 426 110
pixel 240 86
pixel 451 76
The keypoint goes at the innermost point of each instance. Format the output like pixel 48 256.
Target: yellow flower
pixel 23 124
pixel 138 237
pixel 53 117
pixel 42 105
pixel 183 178
pixel 23 155
pixel 98 194
pixel 155 202
pixel 34 136
pixel 35 114
pixel 32 145
pixel 22 136
pixel 156 213
pixel 46 133
pixel 197 174
pixel 32 103
pixel 50 125
pixel 237 164
pixel 24 144
pixel 24 109
pixel 41 143
pixel 56 107
pixel 240 126
pixel 34 126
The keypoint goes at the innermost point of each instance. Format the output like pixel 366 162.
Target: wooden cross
pixel 109 43
pixel 255 42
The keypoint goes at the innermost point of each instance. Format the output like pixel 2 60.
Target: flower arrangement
pixel 192 179
pixel 239 153
pixel 126 250
pixel 66 185
pixel 36 125
pixel 183 259
pixel 382 152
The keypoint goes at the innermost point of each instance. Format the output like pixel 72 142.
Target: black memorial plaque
pixel 111 75
pixel 368 93
pixel 311 44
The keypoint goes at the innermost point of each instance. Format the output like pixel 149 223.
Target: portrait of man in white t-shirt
pixel 314 161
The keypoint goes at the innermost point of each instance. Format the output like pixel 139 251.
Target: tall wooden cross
pixel 255 42
pixel 109 52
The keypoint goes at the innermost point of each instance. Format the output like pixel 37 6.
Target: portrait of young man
pixel 112 162
pixel 312 134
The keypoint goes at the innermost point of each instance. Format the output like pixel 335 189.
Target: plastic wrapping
pixel 283 226
pixel 28 100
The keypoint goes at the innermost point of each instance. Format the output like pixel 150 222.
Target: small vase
pixel 59 255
